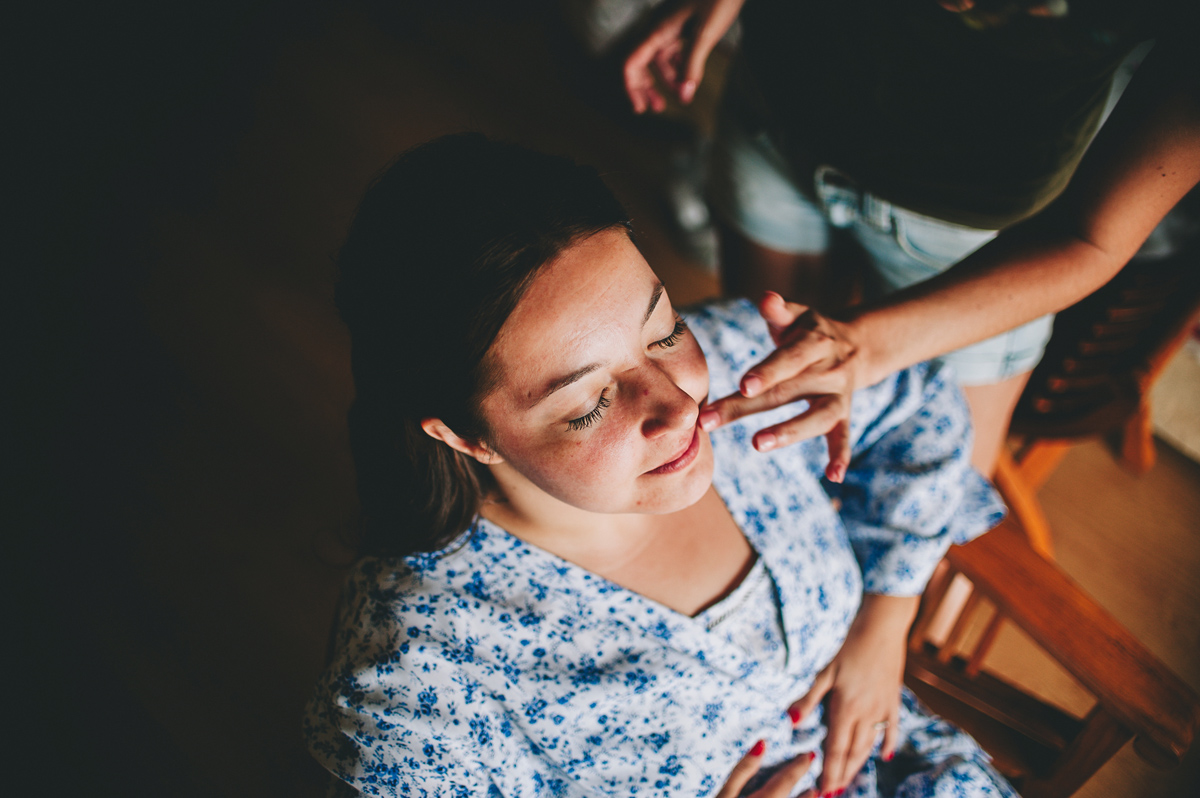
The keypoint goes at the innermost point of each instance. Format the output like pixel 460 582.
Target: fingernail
pixel 751 385
pixel 759 748
pixel 687 91
pixel 839 473
pixel 889 756
pixel 710 420
pixel 794 715
pixel 764 441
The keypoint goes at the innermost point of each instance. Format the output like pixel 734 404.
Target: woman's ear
pixel 437 429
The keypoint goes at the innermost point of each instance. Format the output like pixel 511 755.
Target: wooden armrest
pixel 1126 678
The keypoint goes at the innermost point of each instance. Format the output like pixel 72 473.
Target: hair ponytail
pixel 416 493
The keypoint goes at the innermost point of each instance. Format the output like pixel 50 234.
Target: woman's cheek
pixel 603 456
pixel 693 372
pixel 583 468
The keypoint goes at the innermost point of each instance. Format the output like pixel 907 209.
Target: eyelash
pixel 673 338
pixel 591 418
pixel 583 422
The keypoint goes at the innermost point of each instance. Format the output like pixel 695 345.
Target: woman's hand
pixel 778 786
pixel 862 685
pixel 678 55
pixel 817 360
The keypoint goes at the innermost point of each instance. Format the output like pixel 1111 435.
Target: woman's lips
pixel 684 460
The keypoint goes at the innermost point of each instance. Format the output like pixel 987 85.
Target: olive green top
pixel 976 118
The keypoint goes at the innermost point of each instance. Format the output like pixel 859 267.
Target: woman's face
pixel 601 385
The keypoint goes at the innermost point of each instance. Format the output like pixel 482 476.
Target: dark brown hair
pixel 442 248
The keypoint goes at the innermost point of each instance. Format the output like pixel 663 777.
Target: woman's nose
pixel 667 407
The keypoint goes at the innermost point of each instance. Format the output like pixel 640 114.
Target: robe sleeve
pixel 388 721
pixel 910 491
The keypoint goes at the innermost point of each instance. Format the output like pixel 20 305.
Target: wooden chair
pixel 1095 378
pixel 1103 357
pixel 1043 750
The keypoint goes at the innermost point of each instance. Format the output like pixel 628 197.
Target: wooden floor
pixel 205 631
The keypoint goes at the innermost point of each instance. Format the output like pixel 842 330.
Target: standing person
pixel 927 127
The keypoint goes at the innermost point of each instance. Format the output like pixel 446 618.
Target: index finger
pixel 791 359
pixel 743 771
pixel 781 783
pixel 736 405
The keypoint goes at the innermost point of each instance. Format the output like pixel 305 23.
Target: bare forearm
pixel 889 616
pixel 1143 161
pixel 1010 284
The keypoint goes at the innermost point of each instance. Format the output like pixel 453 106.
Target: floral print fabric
pixel 495 668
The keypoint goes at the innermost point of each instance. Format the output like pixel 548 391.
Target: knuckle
pixel 729 410
pixel 799 766
pixel 778 394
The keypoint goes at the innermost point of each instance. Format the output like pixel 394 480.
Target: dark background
pixel 179 491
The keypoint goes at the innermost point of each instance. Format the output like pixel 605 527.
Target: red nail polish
pixel 759 748
pixel 794 715
pixel 889 756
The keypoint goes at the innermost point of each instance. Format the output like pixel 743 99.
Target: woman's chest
pixel 695 558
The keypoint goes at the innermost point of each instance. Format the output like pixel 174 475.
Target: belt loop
pixel 878 213
pixel 839 195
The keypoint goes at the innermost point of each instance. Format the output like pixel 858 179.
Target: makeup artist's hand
pixel 815 359
pixel 677 49
pixel 862 688
pixel 778 786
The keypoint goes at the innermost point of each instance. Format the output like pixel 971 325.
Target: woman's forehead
pixel 599 282
pixel 584 303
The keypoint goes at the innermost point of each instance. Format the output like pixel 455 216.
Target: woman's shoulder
pixel 439 607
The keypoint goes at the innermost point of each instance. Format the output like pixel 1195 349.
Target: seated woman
pixel 568 587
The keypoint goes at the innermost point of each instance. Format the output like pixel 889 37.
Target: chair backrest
pixel 1107 349
pixel 1045 751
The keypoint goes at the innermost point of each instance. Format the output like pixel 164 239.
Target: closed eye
pixel 676 334
pixel 591 418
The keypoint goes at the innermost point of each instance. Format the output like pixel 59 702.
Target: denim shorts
pixel 752 188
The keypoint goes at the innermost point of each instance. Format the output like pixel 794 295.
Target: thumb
pixel 711 24
pixel 778 312
pixel 693 73
pixel 803 707
pixel 743 771
pixel 838 439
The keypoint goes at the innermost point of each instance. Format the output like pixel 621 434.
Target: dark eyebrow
pixel 563 382
pixel 578 374
pixel 657 295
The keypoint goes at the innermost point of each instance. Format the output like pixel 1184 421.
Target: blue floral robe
pixel 495 668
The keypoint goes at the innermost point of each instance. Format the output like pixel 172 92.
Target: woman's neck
pixel 684 560
pixel 597 541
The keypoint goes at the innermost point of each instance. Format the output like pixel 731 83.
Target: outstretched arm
pixel 1140 165
pixel 909 493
